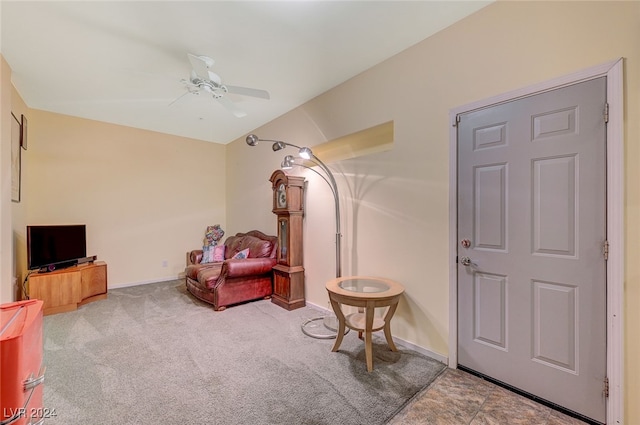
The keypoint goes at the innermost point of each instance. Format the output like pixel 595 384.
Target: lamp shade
pixel 305 153
pixel 252 140
pixel 287 162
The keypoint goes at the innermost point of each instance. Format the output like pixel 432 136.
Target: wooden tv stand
pixel 66 289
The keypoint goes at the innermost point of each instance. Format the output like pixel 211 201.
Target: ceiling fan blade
pixel 179 97
pixel 231 107
pixel 215 78
pixel 246 91
pixel 200 65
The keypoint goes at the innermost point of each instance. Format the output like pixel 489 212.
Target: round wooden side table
pixel 366 293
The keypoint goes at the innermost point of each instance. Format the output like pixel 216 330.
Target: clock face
pixel 282 196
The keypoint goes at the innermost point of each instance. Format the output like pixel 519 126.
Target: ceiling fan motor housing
pixel 204 80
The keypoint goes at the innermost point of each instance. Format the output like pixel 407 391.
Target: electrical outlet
pixel 165 263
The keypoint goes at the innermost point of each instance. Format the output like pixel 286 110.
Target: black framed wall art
pixel 16 156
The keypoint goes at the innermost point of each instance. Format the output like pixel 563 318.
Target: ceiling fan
pixel 205 81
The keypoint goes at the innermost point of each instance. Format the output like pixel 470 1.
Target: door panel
pixel 554 325
pixel 490 310
pixel 532 202
pixel 490 207
pixel 554 206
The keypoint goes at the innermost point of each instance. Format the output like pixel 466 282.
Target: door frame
pixel 613 70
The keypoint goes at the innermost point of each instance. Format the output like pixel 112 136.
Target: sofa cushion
pixel 241 255
pixel 218 252
pixel 207 255
pixel 233 246
pixel 212 254
pixel 258 248
pixel 251 267
pixel 207 277
pixel 192 270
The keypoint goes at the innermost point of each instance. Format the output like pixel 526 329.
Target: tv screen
pixel 55 246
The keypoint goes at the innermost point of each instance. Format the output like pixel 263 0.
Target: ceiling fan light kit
pixel 203 80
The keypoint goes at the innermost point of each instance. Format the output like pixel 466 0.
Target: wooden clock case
pixel 288 273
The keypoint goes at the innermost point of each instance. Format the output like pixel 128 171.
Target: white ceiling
pixel 122 61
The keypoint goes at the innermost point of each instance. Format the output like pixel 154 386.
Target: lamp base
pixel 330 322
pixel 325 330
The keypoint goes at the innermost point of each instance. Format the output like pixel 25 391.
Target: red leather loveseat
pixel 234 281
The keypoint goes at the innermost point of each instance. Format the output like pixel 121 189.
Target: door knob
pixel 466 261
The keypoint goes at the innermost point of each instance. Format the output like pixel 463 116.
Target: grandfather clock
pixel 288 273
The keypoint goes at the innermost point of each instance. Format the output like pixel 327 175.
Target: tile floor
pixel 459 398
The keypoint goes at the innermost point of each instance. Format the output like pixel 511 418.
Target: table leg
pixel 368 345
pixel 341 320
pixel 387 326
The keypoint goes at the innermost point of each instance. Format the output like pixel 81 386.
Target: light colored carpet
pixel 153 354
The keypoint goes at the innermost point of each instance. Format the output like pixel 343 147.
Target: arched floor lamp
pixel 289 162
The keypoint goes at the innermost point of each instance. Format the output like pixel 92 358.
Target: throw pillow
pixel 241 255
pixel 218 252
pixel 207 255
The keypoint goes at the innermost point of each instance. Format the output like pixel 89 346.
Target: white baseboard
pixel 399 341
pixel 422 350
pixel 323 309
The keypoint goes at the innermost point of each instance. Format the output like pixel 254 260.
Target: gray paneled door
pixel 531 234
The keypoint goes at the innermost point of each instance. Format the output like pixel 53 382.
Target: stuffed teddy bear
pixel 211 237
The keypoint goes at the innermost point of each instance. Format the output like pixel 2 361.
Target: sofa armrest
pixel 194 257
pixel 247 266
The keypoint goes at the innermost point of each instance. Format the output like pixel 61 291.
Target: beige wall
pixel 6 248
pixel 145 197
pixel 19 108
pixel 396 216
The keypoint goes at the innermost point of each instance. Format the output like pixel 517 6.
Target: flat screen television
pixel 56 246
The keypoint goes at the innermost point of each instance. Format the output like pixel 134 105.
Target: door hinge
pixel 605 250
pixel 606 112
pixel 455 124
pixel 605 390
